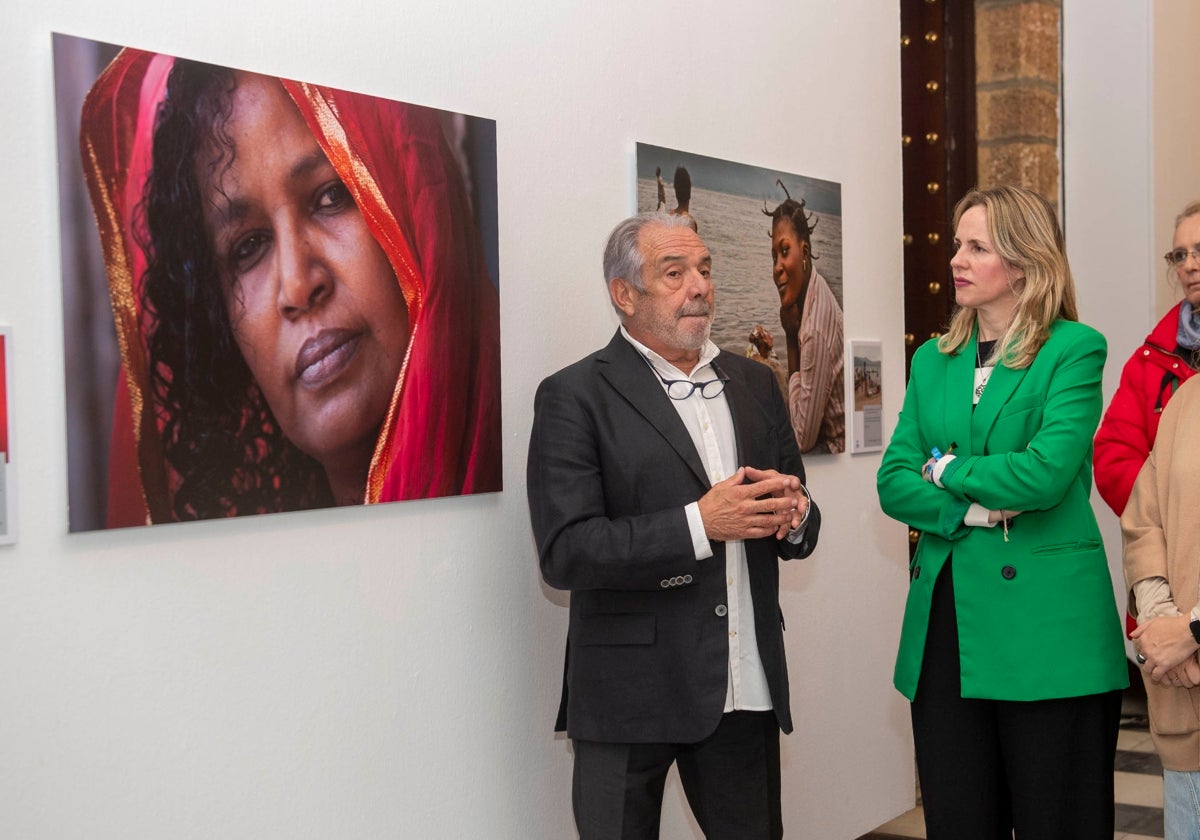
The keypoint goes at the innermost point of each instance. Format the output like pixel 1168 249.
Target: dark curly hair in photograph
pixel 225 448
pixel 682 184
pixel 795 213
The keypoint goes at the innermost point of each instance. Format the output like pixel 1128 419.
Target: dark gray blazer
pixel 611 467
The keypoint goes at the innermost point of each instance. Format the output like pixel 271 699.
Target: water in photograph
pixel 739 237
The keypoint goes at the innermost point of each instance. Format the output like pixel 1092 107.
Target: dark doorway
pixel 937 89
pixel 937 98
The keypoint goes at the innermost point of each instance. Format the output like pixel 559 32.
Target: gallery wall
pixel 394 671
pixel 1106 177
pixel 1129 158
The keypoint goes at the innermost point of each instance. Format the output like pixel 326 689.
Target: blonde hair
pixel 1026 235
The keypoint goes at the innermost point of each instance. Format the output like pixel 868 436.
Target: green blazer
pixel 1036 613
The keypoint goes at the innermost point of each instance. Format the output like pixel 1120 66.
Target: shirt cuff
pixel 977 516
pixel 796 535
pixel 1152 598
pixel 700 544
pixel 940 467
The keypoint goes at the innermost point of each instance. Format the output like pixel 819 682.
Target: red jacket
pixel 1153 373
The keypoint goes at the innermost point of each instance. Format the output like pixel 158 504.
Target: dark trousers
pixel 731 780
pixel 987 767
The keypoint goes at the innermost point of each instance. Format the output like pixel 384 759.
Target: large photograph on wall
pixel 277 295
pixel 776 242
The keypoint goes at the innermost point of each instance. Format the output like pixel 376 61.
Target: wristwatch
pixel 1194 626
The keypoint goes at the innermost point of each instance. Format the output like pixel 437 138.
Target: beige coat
pixel 1161 526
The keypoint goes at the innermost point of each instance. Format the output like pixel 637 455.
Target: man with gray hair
pixel 664 485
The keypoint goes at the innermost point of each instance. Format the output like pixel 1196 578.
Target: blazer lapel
pixel 632 378
pixel 960 380
pixel 741 407
pixel 999 389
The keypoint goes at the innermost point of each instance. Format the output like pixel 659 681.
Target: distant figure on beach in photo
pixel 683 196
pixel 662 188
pixel 812 325
pixel 761 348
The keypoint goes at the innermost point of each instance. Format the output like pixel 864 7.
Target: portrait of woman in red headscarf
pixel 302 303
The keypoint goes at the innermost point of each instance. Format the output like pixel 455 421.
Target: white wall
pixel 1106 182
pixel 1130 123
pixel 1106 171
pixel 393 672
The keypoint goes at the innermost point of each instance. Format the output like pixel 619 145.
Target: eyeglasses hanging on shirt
pixel 681 389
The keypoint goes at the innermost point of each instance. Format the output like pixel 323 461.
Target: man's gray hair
pixel 622 256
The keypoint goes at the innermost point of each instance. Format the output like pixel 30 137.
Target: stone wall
pixel 1017 93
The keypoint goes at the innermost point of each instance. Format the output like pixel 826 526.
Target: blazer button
pixel 664 583
pixel 721 610
pixel 1008 572
pixel 916 572
pixel 687 578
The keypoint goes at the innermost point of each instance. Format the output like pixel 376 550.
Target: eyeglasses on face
pixel 1178 256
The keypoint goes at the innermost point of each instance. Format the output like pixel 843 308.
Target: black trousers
pixel 731 780
pixel 1043 768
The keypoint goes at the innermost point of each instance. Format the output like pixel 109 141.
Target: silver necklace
pixel 982 374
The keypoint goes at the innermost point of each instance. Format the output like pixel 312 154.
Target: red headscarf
pixel 441 435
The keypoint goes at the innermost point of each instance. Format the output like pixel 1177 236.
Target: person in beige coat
pixel 1161 528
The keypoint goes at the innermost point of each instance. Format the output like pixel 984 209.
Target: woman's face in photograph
pixel 1187 236
pixel 314 302
pixel 789 258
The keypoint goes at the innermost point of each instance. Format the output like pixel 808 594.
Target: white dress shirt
pixel 710 425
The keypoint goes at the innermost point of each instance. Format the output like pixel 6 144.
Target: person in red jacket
pixel 1167 359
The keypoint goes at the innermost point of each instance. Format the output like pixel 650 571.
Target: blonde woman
pixel 1011 649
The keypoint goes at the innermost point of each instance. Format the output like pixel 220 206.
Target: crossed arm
pixel 1036 477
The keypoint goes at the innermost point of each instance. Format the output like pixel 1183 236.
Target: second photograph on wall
pixel 776 243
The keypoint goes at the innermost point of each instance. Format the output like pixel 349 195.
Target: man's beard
pixel 686 333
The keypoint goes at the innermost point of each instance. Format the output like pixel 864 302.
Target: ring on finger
pixel 1141 658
